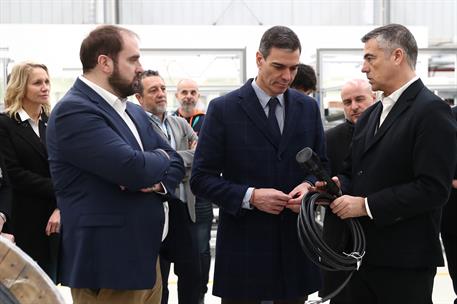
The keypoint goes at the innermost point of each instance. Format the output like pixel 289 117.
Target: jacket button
pixel 360 173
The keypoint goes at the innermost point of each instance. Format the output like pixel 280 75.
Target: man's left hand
pixel 297 195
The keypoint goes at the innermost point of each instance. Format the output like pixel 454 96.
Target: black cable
pixel 313 245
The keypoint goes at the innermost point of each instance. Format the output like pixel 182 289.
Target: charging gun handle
pixel 309 161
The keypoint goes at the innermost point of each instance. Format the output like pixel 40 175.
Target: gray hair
pixel 392 36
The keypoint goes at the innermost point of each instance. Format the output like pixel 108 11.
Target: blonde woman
pixel 35 218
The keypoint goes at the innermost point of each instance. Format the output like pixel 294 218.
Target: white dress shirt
pixel 26 117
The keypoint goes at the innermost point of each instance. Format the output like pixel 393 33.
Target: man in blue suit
pixel 112 174
pixel 245 163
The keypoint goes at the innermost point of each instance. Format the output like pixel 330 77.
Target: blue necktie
pixel 272 120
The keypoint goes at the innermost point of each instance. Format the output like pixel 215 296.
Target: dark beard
pixel 121 87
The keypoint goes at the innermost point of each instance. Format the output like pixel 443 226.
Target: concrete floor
pixel 442 294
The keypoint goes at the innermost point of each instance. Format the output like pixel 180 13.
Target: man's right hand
pixel 155 188
pixel 269 200
pixel 320 185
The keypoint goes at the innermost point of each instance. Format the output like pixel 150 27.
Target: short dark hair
pixel 104 40
pixel 392 36
pixel 145 74
pixel 280 37
pixel 305 78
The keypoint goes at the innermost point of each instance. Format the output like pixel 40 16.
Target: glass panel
pixel 217 71
pixel 435 66
pixel 4 61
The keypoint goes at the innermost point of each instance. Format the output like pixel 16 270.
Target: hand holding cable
pixel 310 231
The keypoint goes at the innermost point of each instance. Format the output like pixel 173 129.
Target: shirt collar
pixel 263 97
pixel 110 98
pixel 23 115
pixel 395 95
pixel 157 119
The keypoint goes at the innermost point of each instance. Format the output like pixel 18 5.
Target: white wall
pixel 58 45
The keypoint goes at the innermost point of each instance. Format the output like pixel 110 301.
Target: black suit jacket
pixel 405 171
pixel 5 194
pixel 33 195
pixel 338 141
pixel 449 221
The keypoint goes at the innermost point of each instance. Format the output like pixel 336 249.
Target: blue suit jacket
pixel 111 237
pixel 257 254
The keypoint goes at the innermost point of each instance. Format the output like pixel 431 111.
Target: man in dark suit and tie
pixel 245 163
pixel 403 159
pixel 112 173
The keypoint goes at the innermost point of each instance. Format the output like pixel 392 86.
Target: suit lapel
pixel 158 129
pixel 372 123
pixel 135 117
pixel 290 121
pixel 118 123
pixel 403 103
pixel 251 105
pixel 25 130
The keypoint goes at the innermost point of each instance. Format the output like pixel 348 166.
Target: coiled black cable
pixel 314 246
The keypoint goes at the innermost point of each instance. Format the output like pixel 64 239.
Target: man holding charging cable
pixel 399 176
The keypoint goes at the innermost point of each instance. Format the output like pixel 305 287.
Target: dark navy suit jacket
pixel 258 255
pixel 111 236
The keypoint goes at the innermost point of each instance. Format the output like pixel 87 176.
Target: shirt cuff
pixel 165 191
pixel 247 197
pixel 368 208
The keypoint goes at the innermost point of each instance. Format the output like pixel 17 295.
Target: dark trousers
pixel 180 248
pixel 203 231
pixel 204 212
pixel 188 278
pixel 450 247
pixel 381 285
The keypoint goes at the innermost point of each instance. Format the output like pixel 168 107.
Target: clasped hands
pixel 274 201
pixel 154 188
